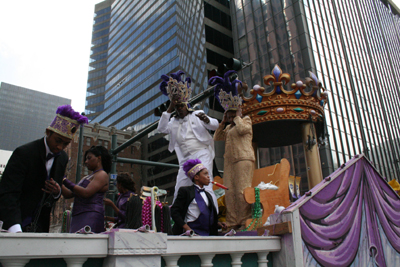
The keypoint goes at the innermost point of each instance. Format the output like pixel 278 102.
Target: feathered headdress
pixel 192 167
pixel 226 91
pixel 67 121
pixel 174 87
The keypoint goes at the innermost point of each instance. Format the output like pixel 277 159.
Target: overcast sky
pixel 45 46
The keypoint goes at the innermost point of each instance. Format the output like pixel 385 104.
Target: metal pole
pixel 113 172
pixel 80 146
pixel 146 162
pixel 113 147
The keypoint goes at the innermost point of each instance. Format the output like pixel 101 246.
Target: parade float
pixel 349 218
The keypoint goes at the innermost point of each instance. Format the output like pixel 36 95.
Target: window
pixel 88 141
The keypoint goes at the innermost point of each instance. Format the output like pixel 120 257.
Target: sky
pixel 45 46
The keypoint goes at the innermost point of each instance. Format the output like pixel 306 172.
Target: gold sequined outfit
pixel 238 168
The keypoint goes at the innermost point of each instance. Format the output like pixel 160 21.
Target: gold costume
pixel 238 168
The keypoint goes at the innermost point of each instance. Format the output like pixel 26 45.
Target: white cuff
pixel 58 195
pixel 15 228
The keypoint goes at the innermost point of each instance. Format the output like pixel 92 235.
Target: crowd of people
pixel 34 177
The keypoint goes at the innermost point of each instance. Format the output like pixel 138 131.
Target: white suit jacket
pixel 199 127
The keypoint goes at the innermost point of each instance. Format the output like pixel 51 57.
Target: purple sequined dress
pixel 88 211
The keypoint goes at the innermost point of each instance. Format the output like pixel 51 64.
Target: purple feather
pixel 177 75
pixel 188 165
pixel 224 84
pixel 163 87
pixel 67 111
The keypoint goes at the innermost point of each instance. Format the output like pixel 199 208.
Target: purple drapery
pixel 331 219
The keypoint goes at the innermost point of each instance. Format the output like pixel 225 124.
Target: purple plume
pixel 176 76
pixel 224 84
pixel 188 165
pixel 67 111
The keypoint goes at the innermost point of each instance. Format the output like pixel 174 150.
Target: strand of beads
pixel 146 212
pixel 256 222
pixel 158 203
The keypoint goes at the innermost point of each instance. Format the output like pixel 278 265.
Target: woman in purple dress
pixel 126 188
pixel 89 192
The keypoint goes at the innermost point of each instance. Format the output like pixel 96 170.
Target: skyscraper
pixel 352 46
pixel 25 114
pixel 147 39
pixel 95 93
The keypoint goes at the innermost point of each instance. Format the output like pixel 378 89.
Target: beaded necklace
pixel 256 222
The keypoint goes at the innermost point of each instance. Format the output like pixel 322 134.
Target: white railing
pixel 17 249
pixel 124 248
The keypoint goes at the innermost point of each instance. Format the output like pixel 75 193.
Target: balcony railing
pixel 126 248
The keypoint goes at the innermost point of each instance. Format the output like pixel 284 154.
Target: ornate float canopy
pixel 284 107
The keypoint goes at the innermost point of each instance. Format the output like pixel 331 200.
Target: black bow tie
pixel 200 190
pixel 51 155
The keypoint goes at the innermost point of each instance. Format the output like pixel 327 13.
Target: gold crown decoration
pixel 228 86
pixel 173 87
pixel 67 121
pixel 228 101
pixel 303 101
pixel 178 90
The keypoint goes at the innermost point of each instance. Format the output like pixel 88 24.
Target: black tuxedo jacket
pixel 22 182
pixel 181 205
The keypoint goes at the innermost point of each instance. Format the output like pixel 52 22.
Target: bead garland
pixel 256 222
pixel 146 213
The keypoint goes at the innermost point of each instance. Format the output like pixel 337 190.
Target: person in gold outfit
pixel 239 154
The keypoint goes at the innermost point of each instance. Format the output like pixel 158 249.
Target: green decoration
pixel 256 222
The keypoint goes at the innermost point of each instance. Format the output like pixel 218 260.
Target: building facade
pixel 146 40
pixel 353 48
pixel 95 93
pixel 25 114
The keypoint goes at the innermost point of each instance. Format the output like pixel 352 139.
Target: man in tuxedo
pixel 32 180
pixel 194 208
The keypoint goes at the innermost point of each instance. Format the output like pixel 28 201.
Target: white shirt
pixel 186 140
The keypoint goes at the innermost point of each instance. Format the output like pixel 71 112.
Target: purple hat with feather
pixel 192 167
pixel 226 91
pixel 67 121
pixel 173 87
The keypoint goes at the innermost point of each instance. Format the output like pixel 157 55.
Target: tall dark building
pixel 353 47
pixel 25 114
pixel 95 93
pixel 145 40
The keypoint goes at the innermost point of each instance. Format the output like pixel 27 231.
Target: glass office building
pixel 25 114
pixel 353 46
pixel 95 93
pixel 145 40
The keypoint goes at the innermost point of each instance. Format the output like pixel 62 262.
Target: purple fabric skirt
pixel 94 219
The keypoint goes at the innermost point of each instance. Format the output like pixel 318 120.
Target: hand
pixel 239 112
pixel 107 202
pixel 172 103
pixel 223 225
pixel 171 107
pixel 225 119
pixel 203 117
pixel 51 187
